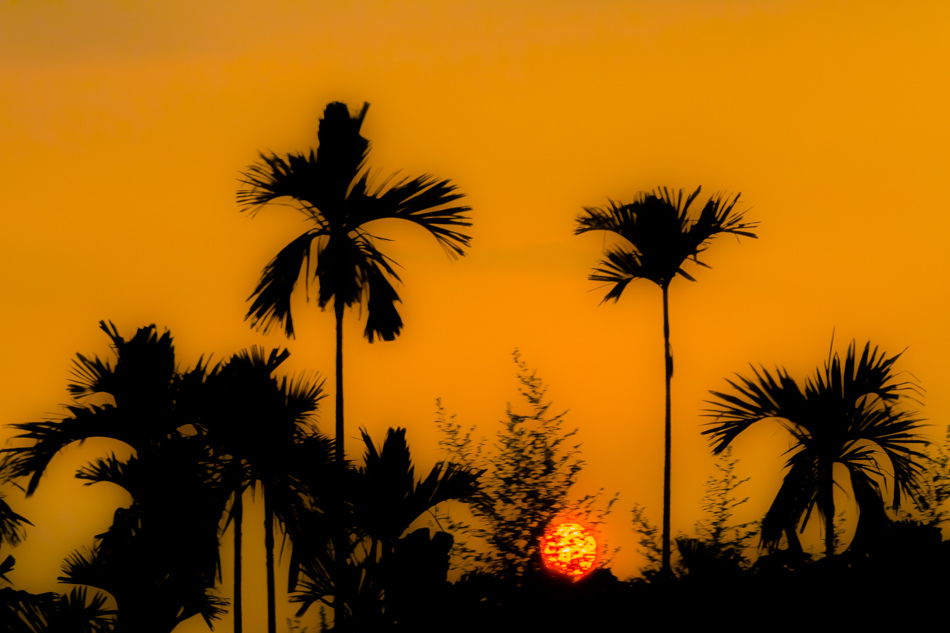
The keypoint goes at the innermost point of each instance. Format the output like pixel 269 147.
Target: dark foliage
pixel 853 412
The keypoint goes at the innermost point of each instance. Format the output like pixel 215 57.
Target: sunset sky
pixel 126 125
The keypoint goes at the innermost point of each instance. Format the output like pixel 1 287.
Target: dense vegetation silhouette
pixel 203 434
pixel 657 237
pixel 159 559
pixel 387 577
pixel 261 429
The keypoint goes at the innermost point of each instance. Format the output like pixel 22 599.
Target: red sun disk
pixel 570 549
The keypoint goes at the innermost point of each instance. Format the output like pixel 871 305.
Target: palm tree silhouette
pixel 261 427
pixel 331 186
pixel 851 414
pixel 658 237
pixel 159 558
pixel 382 499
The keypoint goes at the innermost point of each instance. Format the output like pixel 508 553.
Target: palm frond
pixel 391 499
pixel 270 301
pixel 762 397
pixel 111 470
pixel 6 566
pixel 791 503
pixel 614 218
pixel 620 268
pixel 382 317
pixel 11 524
pixel 302 396
pixel 276 177
pixel 50 437
pixel 423 201
pixel 91 375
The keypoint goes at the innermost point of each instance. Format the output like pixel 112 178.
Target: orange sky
pixel 125 126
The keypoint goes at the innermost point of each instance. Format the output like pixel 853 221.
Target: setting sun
pixel 570 549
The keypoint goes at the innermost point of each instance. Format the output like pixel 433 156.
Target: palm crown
pixel 333 190
pixel 660 235
pixel 847 414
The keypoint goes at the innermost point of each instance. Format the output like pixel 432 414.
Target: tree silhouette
pixel 718 549
pixel 382 499
pixel 850 413
pixel 159 558
pixel 530 470
pixel 658 236
pixel 331 186
pixel 261 430
pixel 24 612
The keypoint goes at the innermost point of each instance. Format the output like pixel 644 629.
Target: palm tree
pixel 658 236
pixel 332 189
pixel 159 558
pixel 261 428
pixel 851 414
pixel 382 499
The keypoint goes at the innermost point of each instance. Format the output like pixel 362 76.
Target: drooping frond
pixel 50 437
pixel 762 397
pixel 270 301
pixel 11 524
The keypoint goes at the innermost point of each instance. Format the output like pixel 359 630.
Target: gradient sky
pixel 125 126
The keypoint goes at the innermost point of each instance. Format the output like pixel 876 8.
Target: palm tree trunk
pixel 339 609
pixel 269 546
pixel 338 308
pixel 829 510
pixel 666 569
pixel 238 512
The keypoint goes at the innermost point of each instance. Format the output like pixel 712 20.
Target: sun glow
pixel 569 548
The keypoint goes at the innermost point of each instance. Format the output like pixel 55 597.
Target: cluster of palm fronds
pixel 199 438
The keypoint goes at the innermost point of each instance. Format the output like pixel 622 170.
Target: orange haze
pixel 125 125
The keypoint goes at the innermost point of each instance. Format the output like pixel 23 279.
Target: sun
pixel 569 548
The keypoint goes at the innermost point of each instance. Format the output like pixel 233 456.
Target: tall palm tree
pixel 261 427
pixel 657 237
pixel 331 188
pixel 850 413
